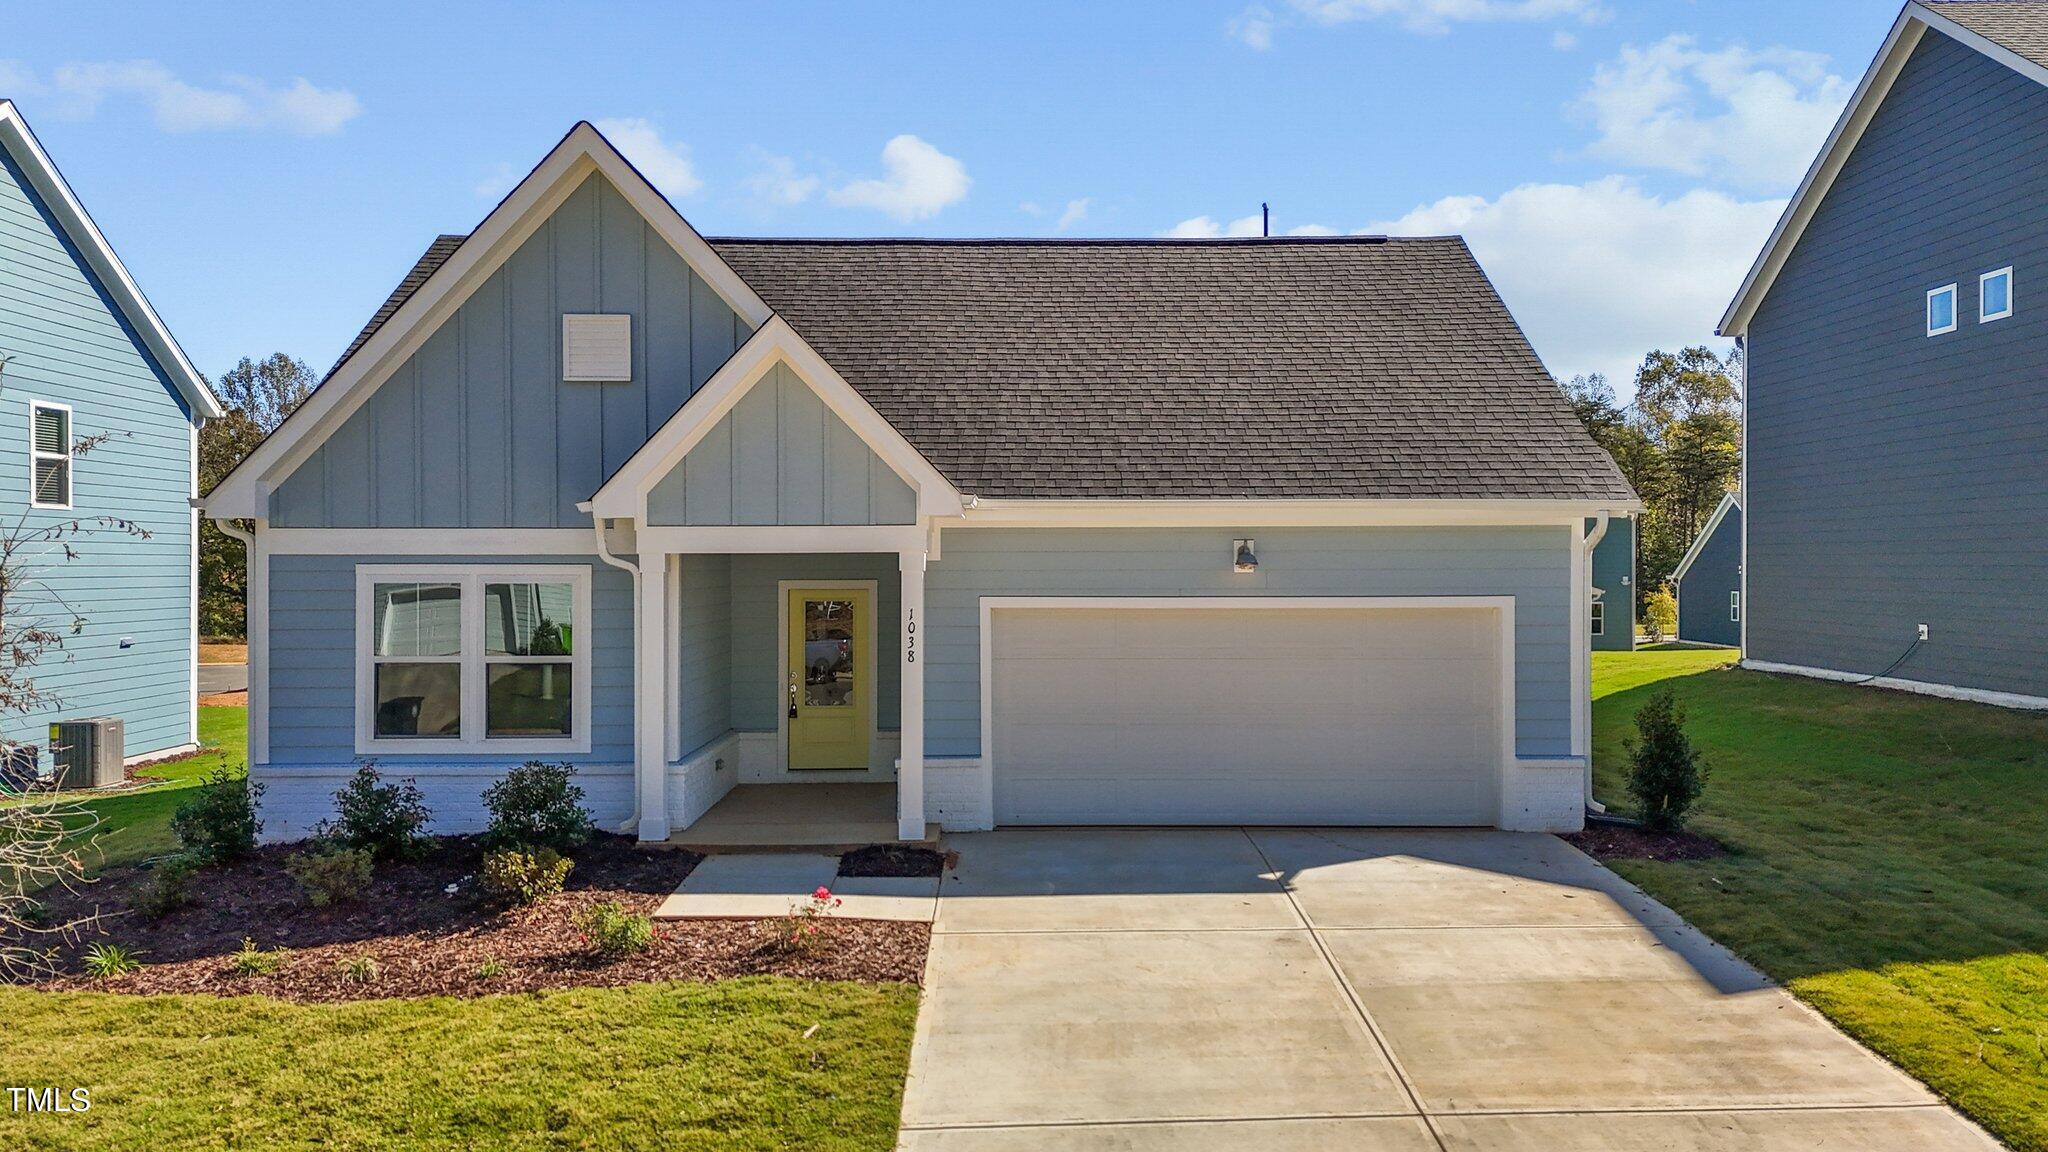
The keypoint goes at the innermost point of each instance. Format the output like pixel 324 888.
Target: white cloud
pixel 240 102
pixel 1253 28
pixel 1075 212
pixel 1600 273
pixel 1756 117
pixel 665 163
pixel 918 181
pixel 1564 41
pixel 1313 230
pixel 499 181
pixel 780 183
pixel 1206 228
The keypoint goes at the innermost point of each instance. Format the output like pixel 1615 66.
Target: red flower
pixel 823 893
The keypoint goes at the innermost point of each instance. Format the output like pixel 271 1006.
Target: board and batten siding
pixel 1703 595
pixel 1894 478
pixel 477 428
pixel 781 457
pixel 69 344
pixel 1532 564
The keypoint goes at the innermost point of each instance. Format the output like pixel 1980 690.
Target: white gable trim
pixel 1707 530
pixel 81 231
pixel 584 151
pixel 1905 36
pixel 775 342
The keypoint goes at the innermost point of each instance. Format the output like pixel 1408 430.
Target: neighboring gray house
pixel 1897 423
pixel 1708 581
pixel 1613 622
pixel 998 532
pixel 82 355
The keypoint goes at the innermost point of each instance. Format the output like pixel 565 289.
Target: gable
pixel 477 429
pixel 780 456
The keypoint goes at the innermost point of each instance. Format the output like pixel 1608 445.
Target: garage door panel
pixel 1234 715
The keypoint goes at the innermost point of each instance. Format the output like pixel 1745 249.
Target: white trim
pixel 778 538
pixel 1922 687
pixel 774 343
pixel 672 658
pixel 1699 542
pixel 993 512
pixel 431 542
pixel 583 152
pixel 1503 606
pixel 910 803
pixel 472 659
pixel 874 677
pixel 78 225
pixel 1740 495
pixel 1955 309
pixel 1984 317
pixel 192 573
pixel 37 455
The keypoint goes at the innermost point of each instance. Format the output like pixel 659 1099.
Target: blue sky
pixel 268 172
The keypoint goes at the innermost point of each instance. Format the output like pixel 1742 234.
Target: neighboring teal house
pixel 927 532
pixel 85 356
pixel 1708 581
pixel 1613 623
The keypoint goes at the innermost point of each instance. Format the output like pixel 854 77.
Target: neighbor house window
pixel 1941 310
pixel 472 659
pixel 1735 607
pixel 1599 618
pixel 1994 296
pixel 49 442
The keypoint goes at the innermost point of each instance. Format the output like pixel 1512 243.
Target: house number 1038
pixel 910 638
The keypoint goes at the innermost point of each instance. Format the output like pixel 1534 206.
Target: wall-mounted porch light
pixel 1243 559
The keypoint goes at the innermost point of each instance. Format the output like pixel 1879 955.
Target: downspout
pixel 604 553
pixel 1585 595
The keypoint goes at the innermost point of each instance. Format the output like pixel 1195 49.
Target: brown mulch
pixel 1628 842
pixel 225 699
pixel 428 941
pixel 892 860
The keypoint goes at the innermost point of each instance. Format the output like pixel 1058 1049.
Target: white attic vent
pixel 597 347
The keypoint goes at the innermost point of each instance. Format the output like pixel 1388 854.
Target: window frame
pixel 1735 606
pixel 473 660
pixel 1599 617
pixel 37 456
pixel 1955 309
pixel 1984 317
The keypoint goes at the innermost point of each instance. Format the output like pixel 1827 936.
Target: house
pixel 1005 532
pixel 86 364
pixel 1708 581
pixel 1897 440
pixel 1613 622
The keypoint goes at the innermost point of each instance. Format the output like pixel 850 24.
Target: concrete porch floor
pixel 782 816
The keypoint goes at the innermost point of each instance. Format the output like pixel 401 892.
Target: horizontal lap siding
pixel 69 345
pixel 1894 478
pixel 1530 564
pixel 1703 596
pixel 704 692
pixel 1614 569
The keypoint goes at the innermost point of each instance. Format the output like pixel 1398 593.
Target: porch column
pixel 910 766
pixel 650 694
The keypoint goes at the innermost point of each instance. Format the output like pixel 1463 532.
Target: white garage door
pixel 1224 715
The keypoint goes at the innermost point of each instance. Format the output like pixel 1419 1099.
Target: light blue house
pixel 961 533
pixel 1708 580
pixel 82 356
pixel 1896 486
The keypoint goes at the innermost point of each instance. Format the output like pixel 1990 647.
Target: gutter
pixel 1585 594
pixel 604 553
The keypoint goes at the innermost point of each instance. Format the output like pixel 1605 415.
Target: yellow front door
pixel 830 674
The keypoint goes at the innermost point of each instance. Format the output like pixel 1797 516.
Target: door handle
pixel 792 696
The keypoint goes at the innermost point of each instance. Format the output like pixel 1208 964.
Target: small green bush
pixel 219 823
pixel 1660 614
pixel 616 933
pixel 106 961
pixel 490 969
pixel 254 961
pixel 330 874
pixel 169 887
pixel 388 821
pixel 537 805
pixel 359 969
pixel 516 877
pixel 1665 772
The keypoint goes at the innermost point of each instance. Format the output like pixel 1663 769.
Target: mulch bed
pixel 1605 841
pixel 892 860
pixel 429 941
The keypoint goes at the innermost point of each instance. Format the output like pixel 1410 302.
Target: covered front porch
pixel 816 816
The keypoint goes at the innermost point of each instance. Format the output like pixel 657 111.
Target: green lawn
pixel 670 1066
pixel 1889 863
pixel 136 825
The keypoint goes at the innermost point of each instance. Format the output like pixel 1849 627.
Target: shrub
pixel 169 887
pixel 516 877
pixel 1665 772
pixel 254 961
pixel 330 874
pixel 490 969
pixel 219 823
pixel 803 929
pixel 616 933
pixel 1660 614
pixel 537 805
pixel 359 969
pixel 386 820
pixel 105 961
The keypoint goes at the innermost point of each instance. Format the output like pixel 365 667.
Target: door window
pixel 828 653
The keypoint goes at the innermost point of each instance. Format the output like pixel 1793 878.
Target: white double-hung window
pixel 49 454
pixel 462 659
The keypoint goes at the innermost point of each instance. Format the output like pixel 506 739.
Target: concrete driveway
pixel 1307 989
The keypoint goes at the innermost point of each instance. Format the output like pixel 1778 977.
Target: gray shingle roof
pixel 2019 26
pixel 436 255
pixel 1284 368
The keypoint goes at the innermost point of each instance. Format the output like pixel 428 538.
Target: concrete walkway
pixel 754 885
pixel 1311 989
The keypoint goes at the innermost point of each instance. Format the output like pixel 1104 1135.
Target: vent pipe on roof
pixel 1265 220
